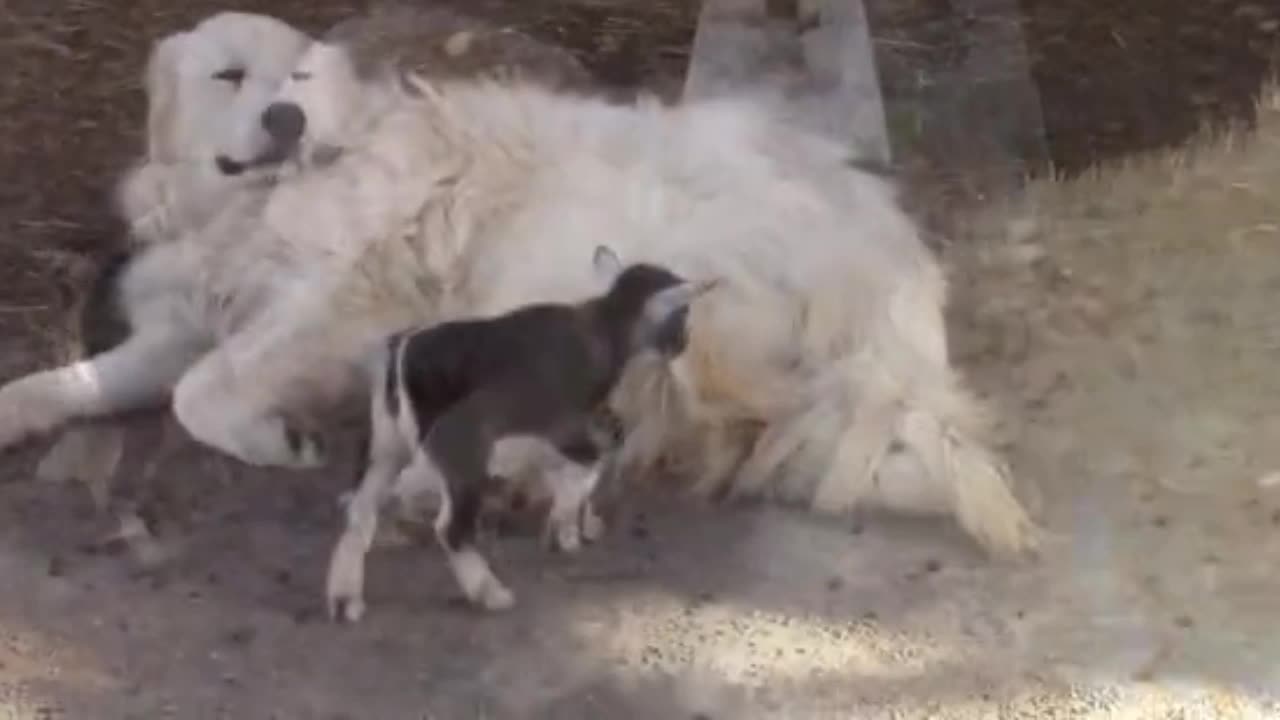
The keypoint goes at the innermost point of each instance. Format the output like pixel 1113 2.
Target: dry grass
pixel 1147 283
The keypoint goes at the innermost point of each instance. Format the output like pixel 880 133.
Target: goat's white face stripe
pixel 665 303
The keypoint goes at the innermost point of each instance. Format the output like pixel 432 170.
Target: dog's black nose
pixel 284 121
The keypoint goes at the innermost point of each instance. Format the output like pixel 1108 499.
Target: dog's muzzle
pixel 284 123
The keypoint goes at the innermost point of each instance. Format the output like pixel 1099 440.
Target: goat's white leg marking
pixel 344 586
pixel 478 582
pixel 135 374
pixel 571 509
pixel 470 569
pixel 592 523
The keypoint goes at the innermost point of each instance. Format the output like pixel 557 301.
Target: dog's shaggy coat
pixel 818 373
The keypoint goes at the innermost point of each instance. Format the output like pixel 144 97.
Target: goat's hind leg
pixel 344 586
pixel 463 480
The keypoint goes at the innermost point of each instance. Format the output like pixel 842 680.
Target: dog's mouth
pixel 273 156
pixel 321 156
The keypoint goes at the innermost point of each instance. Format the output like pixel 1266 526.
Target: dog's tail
pixel 879 419
pixel 891 424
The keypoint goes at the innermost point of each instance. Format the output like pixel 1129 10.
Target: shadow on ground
pixel 1139 376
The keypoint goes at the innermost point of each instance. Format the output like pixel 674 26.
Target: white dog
pixel 824 349
pixel 206 91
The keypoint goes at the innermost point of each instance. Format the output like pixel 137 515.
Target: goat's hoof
pixel 346 609
pixel 344 585
pixel 592 526
pixel 494 597
pixel 562 536
pixel 570 543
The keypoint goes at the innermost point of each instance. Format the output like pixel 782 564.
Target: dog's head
pixel 345 82
pixel 322 104
pixel 208 89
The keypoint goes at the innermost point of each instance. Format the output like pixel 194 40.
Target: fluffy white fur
pixel 822 353
pixel 193 115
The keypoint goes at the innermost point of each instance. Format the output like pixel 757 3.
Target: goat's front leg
pixel 137 373
pixel 572 518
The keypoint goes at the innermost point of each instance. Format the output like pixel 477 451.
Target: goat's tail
pixel 884 421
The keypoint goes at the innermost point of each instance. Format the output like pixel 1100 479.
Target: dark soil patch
pixel 1112 78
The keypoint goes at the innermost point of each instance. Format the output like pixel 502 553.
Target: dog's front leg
pixel 137 373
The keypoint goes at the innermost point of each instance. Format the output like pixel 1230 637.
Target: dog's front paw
pixel 273 442
pixel 24 411
pixel 306 450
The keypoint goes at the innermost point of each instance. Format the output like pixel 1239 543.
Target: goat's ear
pixel 607 263
pixel 665 303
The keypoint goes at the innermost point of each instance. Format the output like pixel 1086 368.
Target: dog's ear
pixel 161 87
pixel 607 263
pixel 664 304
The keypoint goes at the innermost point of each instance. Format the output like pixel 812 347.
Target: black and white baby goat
pixel 461 404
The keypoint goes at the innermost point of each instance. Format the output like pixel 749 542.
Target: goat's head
pixel 652 300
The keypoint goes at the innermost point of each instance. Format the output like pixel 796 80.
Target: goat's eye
pixel 300 76
pixel 235 76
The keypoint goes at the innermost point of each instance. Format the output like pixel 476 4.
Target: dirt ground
pixel 1122 321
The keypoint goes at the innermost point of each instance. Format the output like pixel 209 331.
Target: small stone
pixel 1160 521
pixel 932 566
pixel 1183 621
pixel 458 43
pixel 241 635
pixel 834 584
pixel 57 566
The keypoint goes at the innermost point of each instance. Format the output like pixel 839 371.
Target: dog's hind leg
pixel 138 373
pixel 216 407
pixel 241 398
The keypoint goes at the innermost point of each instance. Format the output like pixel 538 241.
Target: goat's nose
pixel 284 121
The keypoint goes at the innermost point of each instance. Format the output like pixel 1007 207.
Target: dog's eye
pixel 300 76
pixel 235 76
